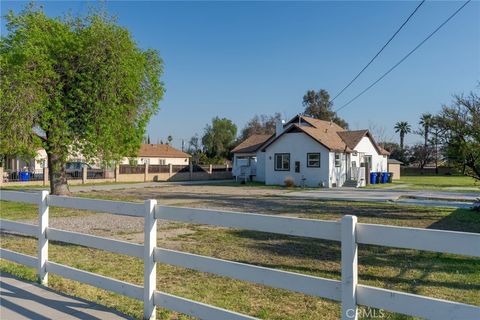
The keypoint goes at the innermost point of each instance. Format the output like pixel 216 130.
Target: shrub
pixel 289 182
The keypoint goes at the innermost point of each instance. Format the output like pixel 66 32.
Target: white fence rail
pixel 348 232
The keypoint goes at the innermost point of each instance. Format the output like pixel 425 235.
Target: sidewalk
pixel 427 198
pixel 21 300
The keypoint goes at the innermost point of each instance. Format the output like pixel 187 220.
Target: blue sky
pixel 238 59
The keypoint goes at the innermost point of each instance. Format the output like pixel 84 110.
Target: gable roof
pixel 324 132
pixel 352 138
pixel 161 151
pixel 252 143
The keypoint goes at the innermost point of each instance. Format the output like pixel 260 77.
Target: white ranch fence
pixel 347 231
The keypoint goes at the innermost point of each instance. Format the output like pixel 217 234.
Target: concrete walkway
pixel 427 198
pixel 21 300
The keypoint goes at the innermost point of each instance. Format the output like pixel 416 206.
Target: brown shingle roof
pixel 324 132
pixel 161 151
pixel 252 143
pixel 352 138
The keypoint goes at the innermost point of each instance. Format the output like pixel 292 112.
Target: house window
pixel 282 161
pixel 313 160
pixel 338 159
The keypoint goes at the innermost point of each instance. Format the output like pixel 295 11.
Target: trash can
pixel 390 177
pixel 384 177
pixel 24 176
pixel 373 178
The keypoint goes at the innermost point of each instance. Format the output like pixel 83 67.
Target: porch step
pixel 350 183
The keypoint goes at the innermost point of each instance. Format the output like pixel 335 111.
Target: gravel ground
pixel 112 226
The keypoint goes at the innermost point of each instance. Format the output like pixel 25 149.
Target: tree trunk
pixel 58 174
pixel 402 136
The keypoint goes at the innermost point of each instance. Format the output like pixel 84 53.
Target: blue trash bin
pixel 373 178
pixel 384 177
pixel 24 176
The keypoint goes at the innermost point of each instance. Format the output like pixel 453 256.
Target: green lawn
pixel 443 183
pixel 437 275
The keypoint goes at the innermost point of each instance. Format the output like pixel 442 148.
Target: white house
pixel 158 154
pixel 312 152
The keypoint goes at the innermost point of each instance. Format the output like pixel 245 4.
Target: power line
pixel 405 57
pixel 378 53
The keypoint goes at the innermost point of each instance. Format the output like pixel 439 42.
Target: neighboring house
pixel 34 164
pixel 394 167
pixel 245 161
pixel 158 154
pixel 313 153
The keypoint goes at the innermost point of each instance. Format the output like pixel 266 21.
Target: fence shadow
pixel 459 220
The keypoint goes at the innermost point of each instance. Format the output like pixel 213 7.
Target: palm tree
pixel 426 122
pixel 403 128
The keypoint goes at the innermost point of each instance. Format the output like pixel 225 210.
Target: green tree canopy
pixel 262 124
pixel 74 85
pixel 460 133
pixel 318 105
pixel 219 137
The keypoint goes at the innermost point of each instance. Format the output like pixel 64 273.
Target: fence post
pixel 170 170
pixel 349 267
pixel 84 175
pixel 42 238
pixel 149 265
pixel 145 176
pixel 210 169
pixel 45 176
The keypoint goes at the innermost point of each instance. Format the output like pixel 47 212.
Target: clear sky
pixel 238 59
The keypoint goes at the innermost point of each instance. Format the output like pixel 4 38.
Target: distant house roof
pixel 252 143
pixel 161 151
pixel 394 161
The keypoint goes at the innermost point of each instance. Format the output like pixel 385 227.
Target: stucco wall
pixel 338 175
pixel 379 162
pixel 260 166
pixel 395 168
pixel 298 145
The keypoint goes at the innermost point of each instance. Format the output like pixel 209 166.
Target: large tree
pixel 74 85
pixel 460 125
pixel 262 124
pixel 218 137
pixel 318 105
pixel 402 128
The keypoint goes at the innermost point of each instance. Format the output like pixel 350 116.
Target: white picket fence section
pixel 347 231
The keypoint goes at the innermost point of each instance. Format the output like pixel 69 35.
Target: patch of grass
pixel 23 211
pixel 446 183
